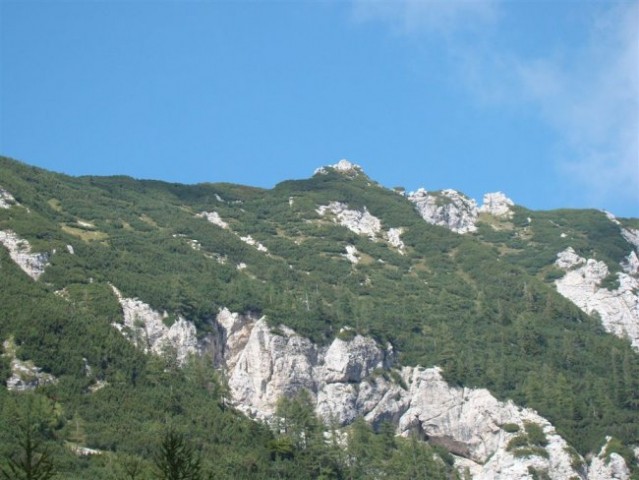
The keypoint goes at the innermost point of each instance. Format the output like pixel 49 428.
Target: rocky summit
pixel 326 328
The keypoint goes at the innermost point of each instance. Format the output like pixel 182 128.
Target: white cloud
pixel 417 16
pixel 589 93
pixel 592 100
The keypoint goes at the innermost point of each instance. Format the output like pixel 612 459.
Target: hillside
pixel 121 290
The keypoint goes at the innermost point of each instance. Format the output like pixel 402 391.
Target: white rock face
pixel 145 328
pixel 612 468
pixel 33 264
pixel 447 208
pixel 352 378
pixel 631 264
pixel 6 199
pixel 630 234
pixel 263 365
pixel 497 204
pixel 343 166
pixel 352 254
pixel 468 422
pixel 254 243
pixel 394 237
pixel 618 309
pixel 25 375
pixel 214 218
pixel 360 222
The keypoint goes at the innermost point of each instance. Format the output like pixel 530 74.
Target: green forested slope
pixel 482 306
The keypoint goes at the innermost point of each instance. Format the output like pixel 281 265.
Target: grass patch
pixel 83 234
pixel 55 204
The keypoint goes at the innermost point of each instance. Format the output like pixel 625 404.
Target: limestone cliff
pixel 146 329
pixel 457 212
pixel 447 208
pixel 354 377
pixel 360 222
pixel 617 308
pixel 33 264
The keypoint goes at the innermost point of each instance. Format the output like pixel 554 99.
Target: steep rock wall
pixel 146 329
pixel 354 377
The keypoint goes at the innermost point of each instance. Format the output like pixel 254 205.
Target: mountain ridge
pixel 481 305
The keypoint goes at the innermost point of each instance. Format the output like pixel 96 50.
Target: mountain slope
pixel 333 253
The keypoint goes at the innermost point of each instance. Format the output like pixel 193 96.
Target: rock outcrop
pixel 352 255
pixel 394 237
pixel 630 234
pixel 254 243
pixel 610 466
pixel 25 375
pixel 360 222
pixel 354 377
pixel 146 329
pixel 343 166
pixel 33 264
pixel 214 218
pixel 618 308
pixel 447 208
pixel 6 199
pixel 497 204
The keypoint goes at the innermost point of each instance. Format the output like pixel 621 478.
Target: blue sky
pixel 536 99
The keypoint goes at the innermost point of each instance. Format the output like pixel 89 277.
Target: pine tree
pixel 176 459
pixel 33 462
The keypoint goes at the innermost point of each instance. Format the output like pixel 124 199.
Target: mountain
pixel 500 341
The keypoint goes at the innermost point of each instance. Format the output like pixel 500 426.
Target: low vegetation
pixel 481 306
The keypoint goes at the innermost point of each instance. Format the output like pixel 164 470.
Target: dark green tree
pixel 176 459
pixel 32 460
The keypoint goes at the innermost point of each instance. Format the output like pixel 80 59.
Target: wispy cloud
pixel 589 93
pixel 418 16
pixel 592 100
